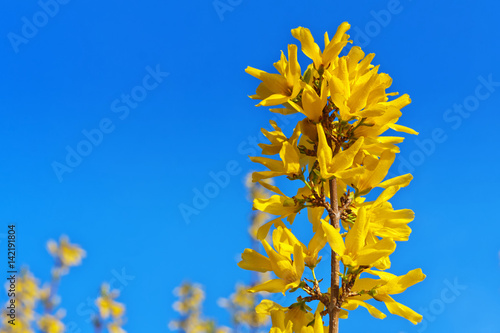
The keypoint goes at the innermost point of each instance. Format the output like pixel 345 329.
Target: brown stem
pixel 334 309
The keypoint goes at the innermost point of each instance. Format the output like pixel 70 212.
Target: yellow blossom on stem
pixel 356 251
pixel 50 324
pixel 68 254
pixel 277 89
pixel 107 305
pixel 288 271
pixel 338 153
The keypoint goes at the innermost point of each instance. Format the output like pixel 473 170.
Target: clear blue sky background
pixel 121 201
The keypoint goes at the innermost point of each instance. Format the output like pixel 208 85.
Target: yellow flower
pixel 22 326
pixel 241 305
pixel 373 173
pixel 312 104
pixel 284 241
pixel 383 219
pixel 338 165
pixel 386 118
pixel 352 304
pixel 107 305
pixel 277 89
pixel 288 271
pixel 388 284
pixel 332 47
pixel 280 205
pixel 191 296
pixel 276 138
pixel 115 327
pixel 27 286
pixel 50 324
pixel 340 144
pixel 68 254
pixel 281 316
pixel 356 251
pixel 318 326
pixel 288 165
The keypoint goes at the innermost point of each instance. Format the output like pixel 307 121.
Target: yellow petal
pixel 281 265
pixel 254 261
pixel 274 99
pixel 338 41
pixel 283 111
pixel 325 153
pixel 314 215
pixel 373 177
pixel 386 194
pixel 403 180
pixel 271 286
pixel 401 101
pixel 318 322
pixel 270 187
pixel 117 309
pixel 399 309
pixel 308 46
pixel 264 229
pixel 334 238
pixel 276 83
pixel 345 158
pixel 298 261
pixel 401 128
pixel 273 165
pixel 399 284
pixel 293 67
pixel 352 304
pixel 356 237
pixel 370 254
pixel 290 156
pixel 268 307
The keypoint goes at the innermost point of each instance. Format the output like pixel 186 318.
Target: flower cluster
pixel 27 296
pixel 189 306
pixel 241 306
pixel 339 152
pixel 111 312
pixel 37 306
pixel 65 255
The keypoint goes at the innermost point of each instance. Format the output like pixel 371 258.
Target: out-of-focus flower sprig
pixel 66 255
pixel 241 305
pixel 189 306
pixel 27 296
pixel 110 313
pixel 37 305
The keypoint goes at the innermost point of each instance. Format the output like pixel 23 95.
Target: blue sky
pixel 160 89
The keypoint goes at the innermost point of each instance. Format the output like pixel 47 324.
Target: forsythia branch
pixel 340 152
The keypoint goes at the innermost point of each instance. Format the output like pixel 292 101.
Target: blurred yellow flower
pixel 68 254
pixel 107 305
pixel 50 324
